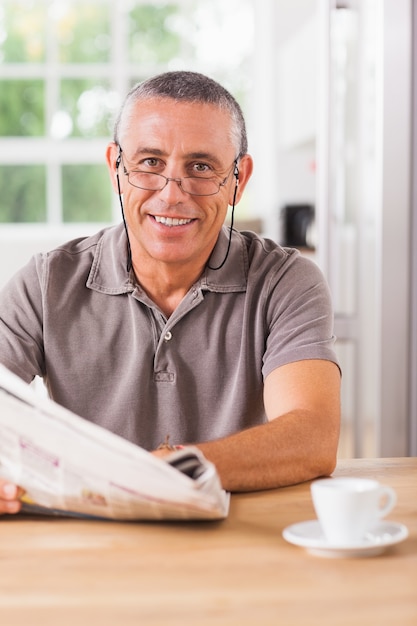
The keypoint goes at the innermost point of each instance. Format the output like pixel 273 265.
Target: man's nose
pixel 173 191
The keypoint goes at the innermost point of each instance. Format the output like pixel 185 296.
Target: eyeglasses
pixel 193 185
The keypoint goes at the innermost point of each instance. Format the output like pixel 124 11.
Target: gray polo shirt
pixel 106 351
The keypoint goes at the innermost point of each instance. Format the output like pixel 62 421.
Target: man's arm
pixel 299 443
pixel 302 402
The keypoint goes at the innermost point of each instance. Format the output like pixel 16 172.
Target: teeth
pixel 171 221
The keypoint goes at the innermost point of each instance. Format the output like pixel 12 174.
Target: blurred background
pixel 327 88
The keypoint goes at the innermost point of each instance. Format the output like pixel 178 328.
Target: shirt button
pixel 168 336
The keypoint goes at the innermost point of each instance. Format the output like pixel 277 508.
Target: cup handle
pixel 390 500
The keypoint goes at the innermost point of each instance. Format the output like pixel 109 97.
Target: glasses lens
pixel 143 180
pixel 199 186
pixel 192 184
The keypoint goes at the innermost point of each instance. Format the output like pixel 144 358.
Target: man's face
pixel 176 140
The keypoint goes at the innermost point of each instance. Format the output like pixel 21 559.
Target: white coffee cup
pixel 347 508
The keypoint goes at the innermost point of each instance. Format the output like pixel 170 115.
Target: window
pixel 65 66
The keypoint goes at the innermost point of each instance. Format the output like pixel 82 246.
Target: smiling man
pixel 172 326
pixel 182 166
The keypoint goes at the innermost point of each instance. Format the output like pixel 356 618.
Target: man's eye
pixel 202 168
pixel 151 162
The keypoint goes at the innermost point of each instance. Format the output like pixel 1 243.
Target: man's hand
pixel 10 495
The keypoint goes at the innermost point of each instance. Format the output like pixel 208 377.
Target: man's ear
pixel 243 174
pixel 112 156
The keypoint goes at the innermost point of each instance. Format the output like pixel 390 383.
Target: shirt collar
pixel 108 271
pixel 232 276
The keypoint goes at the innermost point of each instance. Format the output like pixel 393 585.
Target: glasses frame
pixel 176 180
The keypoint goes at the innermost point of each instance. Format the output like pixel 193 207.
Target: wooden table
pixel 236 572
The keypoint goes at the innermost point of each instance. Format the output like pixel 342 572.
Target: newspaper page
pixel 72 466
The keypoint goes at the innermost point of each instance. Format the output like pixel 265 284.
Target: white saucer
pixel 309 535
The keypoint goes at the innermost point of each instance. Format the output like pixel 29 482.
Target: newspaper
pixel 69 465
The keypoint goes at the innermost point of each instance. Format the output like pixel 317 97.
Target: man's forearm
pixel 288 450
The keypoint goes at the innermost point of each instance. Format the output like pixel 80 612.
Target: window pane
pixel 22 31
pixel 87 193
pixel 83 31
pixel 21 108
pixel 152 38
pixel 91 105
pixel 23 196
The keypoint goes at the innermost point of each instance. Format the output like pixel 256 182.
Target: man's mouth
pixel 171 221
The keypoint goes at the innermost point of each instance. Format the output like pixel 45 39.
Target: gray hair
pixel 188 87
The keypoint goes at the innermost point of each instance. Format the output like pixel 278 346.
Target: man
pixel 173 327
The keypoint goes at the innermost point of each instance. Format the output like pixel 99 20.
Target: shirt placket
pixel 164 361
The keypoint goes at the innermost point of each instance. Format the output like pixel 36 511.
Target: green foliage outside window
pixel 151 38
pixel 84 33
pixel 87 193
pixel 22 108
pixel 23 197
pixel 89 105
pixel 23 31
